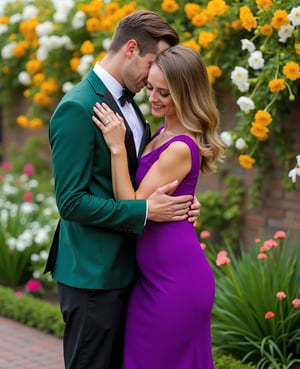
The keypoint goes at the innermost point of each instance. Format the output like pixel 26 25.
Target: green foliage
pixel 228 362
pixel 257 308
pixel 31 311
pixel 221 211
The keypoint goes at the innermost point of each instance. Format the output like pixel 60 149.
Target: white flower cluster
pixel 25 223
pixel 296 171
pixel 228 141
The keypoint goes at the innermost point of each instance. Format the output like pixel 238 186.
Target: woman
pixel 169 314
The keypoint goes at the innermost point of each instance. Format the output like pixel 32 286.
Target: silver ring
pixel 106 122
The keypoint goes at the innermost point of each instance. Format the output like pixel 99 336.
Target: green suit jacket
pixel 96 242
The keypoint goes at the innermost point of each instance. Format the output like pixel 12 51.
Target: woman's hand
pixel 111 125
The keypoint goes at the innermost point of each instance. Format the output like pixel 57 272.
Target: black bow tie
pixel 126 96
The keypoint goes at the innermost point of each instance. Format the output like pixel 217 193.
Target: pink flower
pixel 19 294
pixel 222 258
pixel 33 285
pixel 205 234
pixel 296 303
pixel 257 240
pixel 281 295
pixel 268 244
pixel 28 196
pixel 7 166
pixel 280 234
pixel 269 315
pixel 28 170
pixel 262 256
pixel 202 245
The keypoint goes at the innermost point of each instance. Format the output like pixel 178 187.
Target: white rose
pixel 294 16
pixel 256 60
pixel 226 138
pixel 248 45
pixel 285 32
pixel 24 78
pixel 240 144
pixel 245 103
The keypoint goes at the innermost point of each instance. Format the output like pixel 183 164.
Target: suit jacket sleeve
pixel 82 169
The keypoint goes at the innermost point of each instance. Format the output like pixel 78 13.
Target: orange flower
pixel 191 9
pixel 280 18
pixel 246 161
pixel 291 70
pixel 92 24
pixel 276 85
pixel 236 25
pixel 87 47
pixel 269 315
pixel 22 121
pixel 213 72
pixel 266 4
pixel 34 66
pixel 205 38
pixel 266 30
pixel 192 44
pixel 35 123
pixel 247 18
pixel 217 7
pixel 259 131
pixel 169 6
pixel 201 19
pixel 263 117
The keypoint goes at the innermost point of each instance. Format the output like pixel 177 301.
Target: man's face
pixel 137 70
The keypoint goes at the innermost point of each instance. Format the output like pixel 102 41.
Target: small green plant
pixel 256 316
pixel 31 311
pixel 221 211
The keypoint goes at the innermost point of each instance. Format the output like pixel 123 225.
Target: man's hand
pixel 194 212
pixel 165 208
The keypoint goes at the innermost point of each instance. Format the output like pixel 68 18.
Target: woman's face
pixel 158 93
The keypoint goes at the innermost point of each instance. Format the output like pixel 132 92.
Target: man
pixel 95 261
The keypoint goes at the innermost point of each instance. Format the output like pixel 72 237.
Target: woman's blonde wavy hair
pixel 191 92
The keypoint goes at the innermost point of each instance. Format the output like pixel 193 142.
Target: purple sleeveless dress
pixel 169 312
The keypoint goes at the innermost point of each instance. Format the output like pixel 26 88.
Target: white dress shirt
pixel 128 110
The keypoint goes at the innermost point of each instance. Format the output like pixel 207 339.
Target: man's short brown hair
pixel 147 28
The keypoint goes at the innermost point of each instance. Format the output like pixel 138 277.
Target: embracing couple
pixel 135 288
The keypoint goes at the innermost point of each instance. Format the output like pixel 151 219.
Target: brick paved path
pixel 28 348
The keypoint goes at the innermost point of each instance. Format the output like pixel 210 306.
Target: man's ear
pixel 131 48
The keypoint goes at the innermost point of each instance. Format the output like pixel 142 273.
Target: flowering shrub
pixel 256 316
pixel 27 221
pixel 254 46
pixel 34 287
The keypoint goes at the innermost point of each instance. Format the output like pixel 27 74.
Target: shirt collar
pixel 115 88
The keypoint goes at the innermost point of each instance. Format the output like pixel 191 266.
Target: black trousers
pixel 94 327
